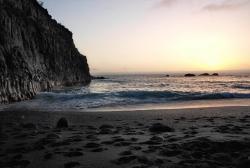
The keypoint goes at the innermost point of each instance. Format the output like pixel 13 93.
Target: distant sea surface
pixel 144 91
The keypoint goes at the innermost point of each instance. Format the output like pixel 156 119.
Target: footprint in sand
pixel 71 164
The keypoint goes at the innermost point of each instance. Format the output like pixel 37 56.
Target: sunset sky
pixel 158 35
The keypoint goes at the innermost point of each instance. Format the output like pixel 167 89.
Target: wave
pixel 119 91
pixel 214 96
pixel 180 95
pixel 149 94
pixel 247 87
pixel 141 96
pixel 68 96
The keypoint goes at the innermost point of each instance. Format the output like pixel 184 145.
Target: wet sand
pixel 201 137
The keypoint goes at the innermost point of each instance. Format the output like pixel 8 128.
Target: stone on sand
pixel 160 128
pixel 62 123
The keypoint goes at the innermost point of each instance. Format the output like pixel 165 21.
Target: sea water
pixel 144 91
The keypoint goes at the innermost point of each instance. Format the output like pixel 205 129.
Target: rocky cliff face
pixel 36 53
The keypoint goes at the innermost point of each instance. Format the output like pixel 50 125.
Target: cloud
pixel 226 5
pixel 204 5
pixel 164 3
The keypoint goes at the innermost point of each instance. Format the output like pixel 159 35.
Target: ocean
pixel 119 92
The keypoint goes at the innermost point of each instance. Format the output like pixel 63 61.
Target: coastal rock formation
pixel 97 77
pixel 189 75
pixel 215 74
pixel 36 52
pixel 205 74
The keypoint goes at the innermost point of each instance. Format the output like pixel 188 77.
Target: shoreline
pixel 191 104
pixel 176 105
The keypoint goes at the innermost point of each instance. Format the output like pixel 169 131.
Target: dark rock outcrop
pixel 160 128
pixel 62 123
pixel 190 75
pixel 215 74
pixel 204 74
pixel 207 74
pixel 36 52
pixel 97 77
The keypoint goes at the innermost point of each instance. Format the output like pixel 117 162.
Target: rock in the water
pixel 204 74
pixel 97 77
pixel 62 123
pixel 215 74
pixel 159 128
pixel 190 75
pixel 36 52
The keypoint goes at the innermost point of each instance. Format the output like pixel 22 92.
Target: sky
pixel 126 36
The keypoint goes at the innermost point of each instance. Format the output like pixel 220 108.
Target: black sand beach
pixel 201 137
pixel 55 108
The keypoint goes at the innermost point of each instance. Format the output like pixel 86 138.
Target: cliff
pixel 36 53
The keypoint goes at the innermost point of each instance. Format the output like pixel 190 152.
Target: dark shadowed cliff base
pixel 36 53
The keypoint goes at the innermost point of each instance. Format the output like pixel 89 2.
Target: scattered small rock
pixel 62 123
pixel 160 128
